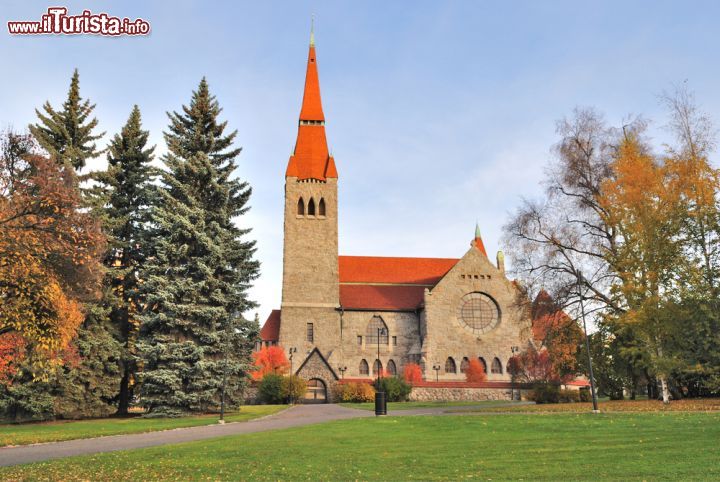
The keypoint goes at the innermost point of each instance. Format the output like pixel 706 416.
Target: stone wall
pixel 455 394
pixel 447 336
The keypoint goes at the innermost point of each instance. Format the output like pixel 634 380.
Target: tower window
pixel 301 207
pixel 310 333
pixel 359 340
pixel 311 208
pixel 321 207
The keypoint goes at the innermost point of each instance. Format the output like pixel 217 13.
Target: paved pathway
pixel 293 417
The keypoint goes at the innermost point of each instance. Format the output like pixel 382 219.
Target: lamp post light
pixel 342 371
pixel 380 401
pixel 224 378
pixel 292 351
pixel 513 367
pixel 436 367
pixel 580 278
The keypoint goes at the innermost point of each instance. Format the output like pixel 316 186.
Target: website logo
pixel 57 22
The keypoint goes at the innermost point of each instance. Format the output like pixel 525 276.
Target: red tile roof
pixel 312 103
pixel 381 297
pixel 311 158
pixel 376 269
pixel 271 329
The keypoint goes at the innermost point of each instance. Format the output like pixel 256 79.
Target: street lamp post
pixel 292 350
pixel 380 401
pixel 513 365
pixel 436 367
pixel 580 278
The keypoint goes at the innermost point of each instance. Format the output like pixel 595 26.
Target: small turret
pixel 501 261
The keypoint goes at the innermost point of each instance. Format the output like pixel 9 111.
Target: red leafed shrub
pixel 270 359
pixel 475 372
pixel 12 353
pixel 412 373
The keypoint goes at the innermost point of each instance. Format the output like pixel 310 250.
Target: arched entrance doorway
pixel 316 391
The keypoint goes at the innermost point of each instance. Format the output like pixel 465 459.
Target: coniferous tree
pixel 87 387
pixel 125 197
pixel 193 339
pixel 67 134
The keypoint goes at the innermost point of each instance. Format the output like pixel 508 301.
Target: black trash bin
pixel 380 403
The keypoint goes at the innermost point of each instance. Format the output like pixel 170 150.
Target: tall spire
pixel 478 242
pixel 312 30
pixel 311 158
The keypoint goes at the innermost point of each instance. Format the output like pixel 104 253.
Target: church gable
pixel 316 366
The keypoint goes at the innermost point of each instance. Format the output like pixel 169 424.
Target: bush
pixel 569 396
pixel 475 372
pixel 353 392
pixel 585 395
pixel 270 389
pixel 396 389
pixel 545 393
pixel 412 373
pixel 292 388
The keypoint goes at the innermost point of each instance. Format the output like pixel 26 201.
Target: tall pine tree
pixel 126 193
pixel 67 134
pixel 192 335
pixel 87 388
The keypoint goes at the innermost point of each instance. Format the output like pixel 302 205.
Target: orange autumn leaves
pixel 270 359
pixel 49 257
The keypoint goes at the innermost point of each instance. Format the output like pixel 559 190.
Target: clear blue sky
pixel 438 113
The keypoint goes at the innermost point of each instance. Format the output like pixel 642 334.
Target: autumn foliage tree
pixel 635 235
pixel 270 359
pixel 49 252
pixel 412 372
pixel 475 372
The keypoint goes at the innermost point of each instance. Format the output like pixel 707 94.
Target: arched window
pixel 321 207
pixel 311 207
pixel 450 365
pixel 496 366
pixel 364 368
pixel 376 327
pixel 377 367
pixel 391 368
pixel 464 365
pixel 301 207
pixel 483 363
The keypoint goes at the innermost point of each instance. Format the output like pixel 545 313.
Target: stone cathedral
pixel 337 310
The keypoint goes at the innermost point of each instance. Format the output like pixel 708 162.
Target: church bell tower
pixel 310 253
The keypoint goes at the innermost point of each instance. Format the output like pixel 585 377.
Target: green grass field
pixel 412 405
pixel 632 446
pixel 29 433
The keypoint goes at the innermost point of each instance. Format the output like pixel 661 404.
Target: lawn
pixel 685 405
pixel 627 446
pixel 29 433
pixel 412 405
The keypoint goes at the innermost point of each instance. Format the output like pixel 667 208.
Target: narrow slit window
pixel 311 207
pixel 321 207
pixel 310 332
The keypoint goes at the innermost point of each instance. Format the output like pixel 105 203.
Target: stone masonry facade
pixel 434 312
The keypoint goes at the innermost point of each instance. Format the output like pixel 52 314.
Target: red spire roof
pixel 311 158
pixel 478 242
